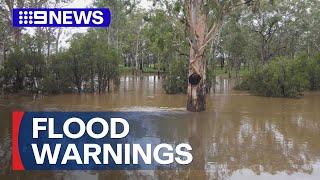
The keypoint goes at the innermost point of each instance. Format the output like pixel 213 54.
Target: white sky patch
pixel 68 32
pixel 144 4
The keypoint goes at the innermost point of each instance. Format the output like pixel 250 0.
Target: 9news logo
pixel 61 17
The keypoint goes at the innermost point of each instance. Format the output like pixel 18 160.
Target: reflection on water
pixel 239 136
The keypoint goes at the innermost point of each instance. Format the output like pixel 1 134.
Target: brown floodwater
pixel 240 136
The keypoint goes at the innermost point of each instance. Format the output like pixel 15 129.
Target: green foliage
pixel 58 79
pixel 284 77
pixel 165 37
pixel 15 69
pixel 158 37
pixel 88 65
pixel 210 78
pixel 23 67
pixel 313 72
pixel 52 85
pixel 176 80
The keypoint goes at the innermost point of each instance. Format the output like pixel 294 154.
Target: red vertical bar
pixel 16 158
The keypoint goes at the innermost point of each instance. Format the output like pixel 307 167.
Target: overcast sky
pixel 86 3
pixel 83 4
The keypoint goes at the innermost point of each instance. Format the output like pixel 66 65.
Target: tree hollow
pixel 194 79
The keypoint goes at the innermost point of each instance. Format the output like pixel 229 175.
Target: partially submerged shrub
pixel 176 80
pixel 281 77
pixel 52 85
pixel 313 72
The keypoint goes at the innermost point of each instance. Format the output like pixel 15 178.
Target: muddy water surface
pixel 240 136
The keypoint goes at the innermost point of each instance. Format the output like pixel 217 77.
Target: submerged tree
pixel 204 20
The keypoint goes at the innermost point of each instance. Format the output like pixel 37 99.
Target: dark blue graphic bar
pixel 61 17
pixel 92 141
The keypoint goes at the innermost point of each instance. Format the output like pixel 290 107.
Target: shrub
pixel 176 80
pixel 313 72
pixel 58 77
pixel 210 79
pixel 281 77
pixel 52 85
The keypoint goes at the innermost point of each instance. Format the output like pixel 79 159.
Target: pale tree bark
pixel 136 56
pixel 58 39
pixel 48 50
pixel 197 16
pixel 6 11
pixel 199 38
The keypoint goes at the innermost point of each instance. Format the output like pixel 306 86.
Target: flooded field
pixel 240 136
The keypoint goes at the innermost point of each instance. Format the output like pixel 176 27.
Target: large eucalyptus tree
pixel 204 19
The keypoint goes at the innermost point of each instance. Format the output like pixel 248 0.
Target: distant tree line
pixel 252 40
pixel 88 65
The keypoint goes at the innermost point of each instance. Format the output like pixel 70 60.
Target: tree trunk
pixel 158 63
pixel 58 39
pixel 222 62
pixel 17 36
pixel 197 64
pixel 99 83
pixel 92 78
pixel 3 55
pixel 136 56
pixel 197 86
pixel 108 84
pixel 48 51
